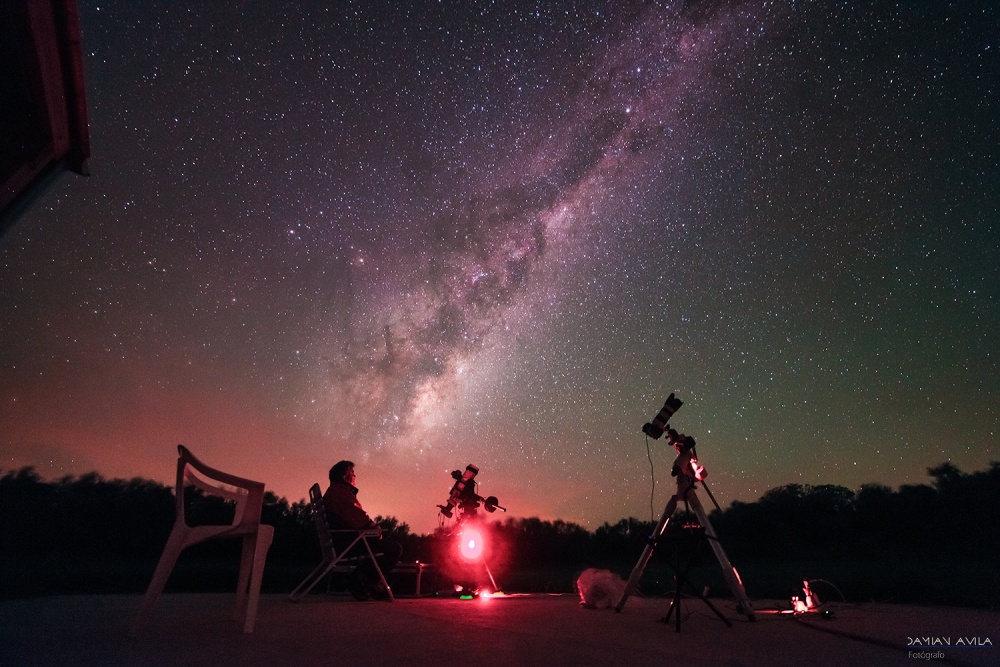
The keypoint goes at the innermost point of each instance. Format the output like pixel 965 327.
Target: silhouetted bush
pixel 88 534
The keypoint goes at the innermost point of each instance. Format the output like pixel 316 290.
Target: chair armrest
pixel 234 493
pixel 362 532
pixel 218 475
pixel 246 493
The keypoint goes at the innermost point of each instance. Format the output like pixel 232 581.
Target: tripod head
pixel 686 462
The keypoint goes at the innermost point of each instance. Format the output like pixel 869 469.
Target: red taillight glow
pixel 471 544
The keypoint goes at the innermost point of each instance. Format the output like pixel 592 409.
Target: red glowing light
pixel 471 544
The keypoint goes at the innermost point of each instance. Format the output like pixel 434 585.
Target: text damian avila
pixel 924 642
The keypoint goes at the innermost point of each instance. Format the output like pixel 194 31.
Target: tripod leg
pixel 728 571
pixel 718 613
pixel 675 606
pixel 492 580
pixel 640 566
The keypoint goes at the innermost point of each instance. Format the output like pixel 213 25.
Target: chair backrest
pixel 322 525
pixel 246 494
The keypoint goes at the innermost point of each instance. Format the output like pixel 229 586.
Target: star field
pixel 422 235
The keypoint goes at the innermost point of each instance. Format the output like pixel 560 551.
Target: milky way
pixel 420 235
pixel 482 247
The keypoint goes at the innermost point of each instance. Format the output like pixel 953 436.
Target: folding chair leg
pixel 313 578
pixel 379 570
pixel 309 582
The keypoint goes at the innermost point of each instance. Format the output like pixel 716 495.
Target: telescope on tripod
pixel 689 474
pixel 469 531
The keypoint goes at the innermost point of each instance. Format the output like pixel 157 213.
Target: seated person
pixel 343 511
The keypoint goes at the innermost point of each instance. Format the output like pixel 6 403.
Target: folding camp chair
pixel 332 560
pixel 248 497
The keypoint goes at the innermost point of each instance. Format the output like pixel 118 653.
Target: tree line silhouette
pixel 934 542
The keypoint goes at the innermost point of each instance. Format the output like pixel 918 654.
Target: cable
pixel 824 581
pixel 652 477
pixel 801 619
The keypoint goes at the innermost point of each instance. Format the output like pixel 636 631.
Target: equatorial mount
pixel 463 495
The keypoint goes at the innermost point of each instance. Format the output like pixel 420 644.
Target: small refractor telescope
pixel 655 428
pixel 463 494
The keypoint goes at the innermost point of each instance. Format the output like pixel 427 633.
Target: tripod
pixel 469 536
pixel 688 473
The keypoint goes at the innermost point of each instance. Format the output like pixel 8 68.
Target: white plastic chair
pixel 249 498
pixel 332 561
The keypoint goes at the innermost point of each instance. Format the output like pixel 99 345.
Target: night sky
pixel 420 235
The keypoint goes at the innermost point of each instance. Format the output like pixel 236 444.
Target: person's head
pixel 342 472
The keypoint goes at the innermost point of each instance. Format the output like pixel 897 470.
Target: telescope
pixel 463 494
pixel 655 428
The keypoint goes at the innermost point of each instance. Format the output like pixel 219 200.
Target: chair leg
pixel 243 579
pixel 171 552
pixel 265 535
pixel 324 569
pixel 311 580
pixel 379 570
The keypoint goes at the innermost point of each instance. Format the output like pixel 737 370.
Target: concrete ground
pixel 198 629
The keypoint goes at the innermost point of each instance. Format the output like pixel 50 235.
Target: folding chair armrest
pixel 360 532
